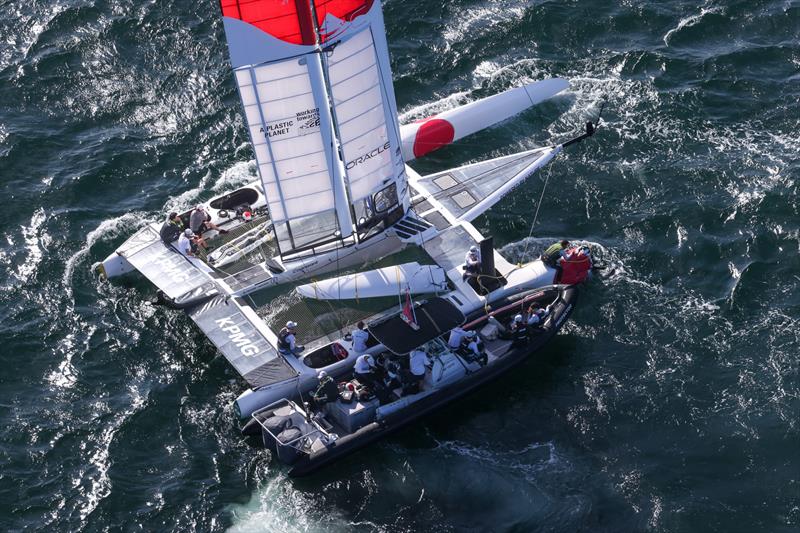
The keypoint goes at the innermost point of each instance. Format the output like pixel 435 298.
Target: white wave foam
pixel 278 506
pixel 472 23
pixel 36 239
pixel 93 483
pixel 107 230
pixel 239 174
pixel 690 21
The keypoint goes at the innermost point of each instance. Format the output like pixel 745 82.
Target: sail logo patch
pixel 366 157
pixel 303 123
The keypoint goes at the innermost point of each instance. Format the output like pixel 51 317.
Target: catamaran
pixel 334 193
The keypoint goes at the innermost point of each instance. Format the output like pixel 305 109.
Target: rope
pixel 536 214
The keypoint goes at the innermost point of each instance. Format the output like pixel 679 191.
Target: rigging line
pixel 422 245
pixel 536 214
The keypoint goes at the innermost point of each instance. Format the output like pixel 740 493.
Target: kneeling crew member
pixel 287 343
pixel 472 263
pixel 555 253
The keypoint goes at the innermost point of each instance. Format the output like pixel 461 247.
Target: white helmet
pixel 200 207
pixel 518 318
pixel 473 249
pixel 291 324
pixel 470 334
pixel 189 232
pixel 322 375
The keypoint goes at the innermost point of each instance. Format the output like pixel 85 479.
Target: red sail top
pixel 292 20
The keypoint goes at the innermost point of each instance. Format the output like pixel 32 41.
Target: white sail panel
pixel 360 110
pixel 284 124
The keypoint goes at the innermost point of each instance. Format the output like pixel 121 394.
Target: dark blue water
pixel 670 403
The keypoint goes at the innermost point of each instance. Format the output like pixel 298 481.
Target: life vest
pixel 284 344
pixel 575 268
pixel 170 231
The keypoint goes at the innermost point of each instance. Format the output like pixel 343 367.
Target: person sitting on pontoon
pixel 200 221
pixel 326 392
pixel 472 263
pixel 360 338
pixel 287 342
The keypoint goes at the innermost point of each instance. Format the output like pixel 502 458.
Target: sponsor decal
pixel 367 156
pixel 308 121
pixel 237 336
pixel 175 268
pixel 304 123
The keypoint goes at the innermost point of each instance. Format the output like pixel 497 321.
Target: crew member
pixel 327 391
pixel 200 221
pixel 555 253
pixel 537 316
pixel 456 334
pixel 360 337
pixel 472 348
pixel 519 331
pixel 472 263
pixel 186 243
pixel 416 367
pixel 172 228
pixel 366 371
pixel 287 342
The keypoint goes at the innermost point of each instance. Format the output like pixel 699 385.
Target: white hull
pixel 387 281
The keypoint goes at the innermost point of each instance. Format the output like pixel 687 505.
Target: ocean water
pixel 671 402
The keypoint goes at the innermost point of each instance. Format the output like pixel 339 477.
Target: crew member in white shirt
pixel 185 243
pixel 416 367
pixel 360 337
pixel 456 334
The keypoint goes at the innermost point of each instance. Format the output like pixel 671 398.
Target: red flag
pixel 408 312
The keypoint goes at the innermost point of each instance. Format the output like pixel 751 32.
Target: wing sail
pixel 316 90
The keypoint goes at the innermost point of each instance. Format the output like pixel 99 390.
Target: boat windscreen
pixel 435 317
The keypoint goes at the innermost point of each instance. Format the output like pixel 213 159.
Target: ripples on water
pixel 669 403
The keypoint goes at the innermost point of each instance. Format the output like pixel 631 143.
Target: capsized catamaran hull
pixel 382 282
pixel 316 88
